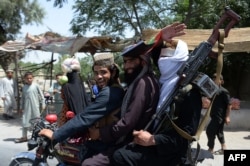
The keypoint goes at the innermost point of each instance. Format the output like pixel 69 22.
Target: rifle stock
pixel 228 14
pixel 190 68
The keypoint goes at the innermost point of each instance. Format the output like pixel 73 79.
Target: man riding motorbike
pixel 106 104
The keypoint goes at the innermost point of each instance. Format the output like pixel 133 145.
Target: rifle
pixel 188 73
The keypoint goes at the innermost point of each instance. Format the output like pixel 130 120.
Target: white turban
pixel 169 63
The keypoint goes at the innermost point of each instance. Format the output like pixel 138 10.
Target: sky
pixel 56 19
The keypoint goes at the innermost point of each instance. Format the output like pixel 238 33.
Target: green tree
pixel 15 13
pixel 37 69
pixel 116 17
pixel 57 66
pixel 86 67
pixel 203 14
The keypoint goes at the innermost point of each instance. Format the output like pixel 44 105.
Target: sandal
pixel 20 140
pixel 219 152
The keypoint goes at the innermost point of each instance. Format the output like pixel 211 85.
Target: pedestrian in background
pixel 32 96
pixel 8 92
pixel 55 89
pixel 220 114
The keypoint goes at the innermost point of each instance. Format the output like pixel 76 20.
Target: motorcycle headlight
pixel 32 144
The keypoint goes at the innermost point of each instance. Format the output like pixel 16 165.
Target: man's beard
pixel 130 77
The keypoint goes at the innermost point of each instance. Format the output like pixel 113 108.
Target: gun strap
pixel 218 73
pixel 220 56
pixel 196 137
pixel 204 121
pixel 201 127
pixel 180 131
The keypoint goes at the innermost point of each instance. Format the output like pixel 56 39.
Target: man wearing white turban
pixel 166 147
pixel 169 63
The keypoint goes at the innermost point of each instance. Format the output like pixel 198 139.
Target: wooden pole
pixel 51 68
pixel 17 81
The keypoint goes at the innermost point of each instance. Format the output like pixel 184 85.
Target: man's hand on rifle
pixel 143 138
pixel 173 30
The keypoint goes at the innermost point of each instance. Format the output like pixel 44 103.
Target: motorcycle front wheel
pixel 21 162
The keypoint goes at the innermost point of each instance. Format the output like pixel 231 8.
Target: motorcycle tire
pixel 21 162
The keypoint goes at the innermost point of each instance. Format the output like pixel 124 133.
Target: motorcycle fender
pixel 28 155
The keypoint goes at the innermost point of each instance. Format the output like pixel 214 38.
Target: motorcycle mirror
pixel 70 114
pixel 51 118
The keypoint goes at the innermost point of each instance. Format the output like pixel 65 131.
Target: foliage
pixel 236 67
pixel 13 14
pixel 59 3
pixel 118 17
pixel 86 67
pixel 42 69
pixel 57 66
pixel 203 14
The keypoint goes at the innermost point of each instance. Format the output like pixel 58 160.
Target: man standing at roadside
pixel 8 89
pixel 55 89
pixel 220 114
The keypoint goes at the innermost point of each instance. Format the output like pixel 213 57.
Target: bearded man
pixel 138 105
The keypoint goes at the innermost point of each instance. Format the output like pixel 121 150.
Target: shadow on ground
pixel 11 122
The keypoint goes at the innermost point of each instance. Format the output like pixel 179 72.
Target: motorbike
pixel 67 153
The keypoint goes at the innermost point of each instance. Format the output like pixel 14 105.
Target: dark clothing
pixel 220 104
pixel 215 128
pixel 74 93
pixel 170 146
pixel 141 106
pixel 146 155
pixel 218 114
pixel 188 119
pixel 108 100
pixel 100 159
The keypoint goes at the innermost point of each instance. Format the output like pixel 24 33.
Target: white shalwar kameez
pixel 8 91
pixel 32 96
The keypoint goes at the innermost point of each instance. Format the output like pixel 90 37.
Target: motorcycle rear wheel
pixel 21 162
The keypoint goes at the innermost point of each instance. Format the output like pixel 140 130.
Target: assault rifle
pixel 188 73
